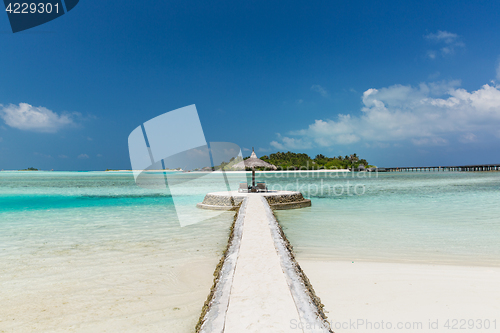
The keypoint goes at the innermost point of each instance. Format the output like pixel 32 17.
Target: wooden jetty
pixel 259 286
pixel 479 167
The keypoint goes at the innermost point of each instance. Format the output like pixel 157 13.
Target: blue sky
pixel 398 83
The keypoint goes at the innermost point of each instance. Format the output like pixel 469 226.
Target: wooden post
pixel 253 176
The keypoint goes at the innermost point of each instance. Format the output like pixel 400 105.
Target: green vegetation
pixel 300 161
pixel 29 169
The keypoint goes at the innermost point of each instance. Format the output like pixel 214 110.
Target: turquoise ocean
pixel 94 252
pixel 100 230
pixel 426 217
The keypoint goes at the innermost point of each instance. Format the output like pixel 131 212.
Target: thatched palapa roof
pixel 253 162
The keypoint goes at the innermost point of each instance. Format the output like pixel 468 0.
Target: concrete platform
pixel 275 199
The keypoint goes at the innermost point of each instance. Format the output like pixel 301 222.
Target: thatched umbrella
pixel 253 162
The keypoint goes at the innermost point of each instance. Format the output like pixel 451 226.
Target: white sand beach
pixel 401 297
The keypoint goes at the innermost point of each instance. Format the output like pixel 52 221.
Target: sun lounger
pixel 261 187
pixel 243 187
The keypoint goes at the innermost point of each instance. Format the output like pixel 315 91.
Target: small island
pixel 299 161
pixel 29 169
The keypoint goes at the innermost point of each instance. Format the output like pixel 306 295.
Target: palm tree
pixel 353 158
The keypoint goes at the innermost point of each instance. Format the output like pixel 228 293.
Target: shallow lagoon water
pixel 94 252
pixel 438 217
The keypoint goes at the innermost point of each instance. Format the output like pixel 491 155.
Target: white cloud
pixel 434 75
pixel 277 145
pixel 83 156
pixel 468 137
pixel 430 114
pixel 291 143
pixel 319 89
pixel 435 141
pixel 449 43
pixel 431 54
pixel 443 36
pixel 37 119
pixel 42 155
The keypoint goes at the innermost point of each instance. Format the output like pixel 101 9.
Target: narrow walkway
pixel 260 299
